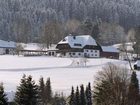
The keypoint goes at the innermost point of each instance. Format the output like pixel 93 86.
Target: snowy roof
pixel 128 46
pixel 109 49
pixel 7 44
pixel 78 41
pixel 37 46
pixel 31 46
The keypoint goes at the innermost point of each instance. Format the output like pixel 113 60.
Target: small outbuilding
pixel 7 47
pixel 110 52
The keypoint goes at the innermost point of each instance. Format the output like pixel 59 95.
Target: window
pixel 79 53
pixel 95 55
pixel 87 50
pixel 74 37
pixel 76 44
pixel 95 51
pixel 64 40
pixel 73 53
pixel 91 50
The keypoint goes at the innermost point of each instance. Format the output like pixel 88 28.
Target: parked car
pixel 137 65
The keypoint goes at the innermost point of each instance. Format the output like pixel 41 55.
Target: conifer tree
pixel 42 91
pixel 48 91
pixel 137 40
pixel 27 92
pixel 134 88
pixel 82 96
pixel 72 97
pixel 3 98
pixel 58 100
pixel 95 32
pixel 77 97
pixel 88 95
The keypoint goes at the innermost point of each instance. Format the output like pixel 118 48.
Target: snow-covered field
pixel 62 71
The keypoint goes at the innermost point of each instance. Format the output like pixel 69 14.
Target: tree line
pixel 112 86
pixel 24 20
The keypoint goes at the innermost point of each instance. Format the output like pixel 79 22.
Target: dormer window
pixel 76 44
pixel 74 37
pixel 64 40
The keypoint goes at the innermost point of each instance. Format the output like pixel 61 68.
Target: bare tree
pixel 123 47
pixel 53 33
pixel 72 26
pixel 112 86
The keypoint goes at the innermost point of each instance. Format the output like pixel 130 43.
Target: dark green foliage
pixel 12 103
pixel 137 40
pixel 77 97
pixel 58 100
pixel 41 88
pixel 48 91
pixel 135 82
pixel 45 92
pixel 100 94
pixel 72 97
pixel 86 27
pixel 95 32
pixel 82 96
pixel 134 88
pixel 27 92
pixel 88 95
pixel 111 86
pixel 3 99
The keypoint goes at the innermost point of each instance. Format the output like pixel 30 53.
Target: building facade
pixel 79 46
pixel 7 47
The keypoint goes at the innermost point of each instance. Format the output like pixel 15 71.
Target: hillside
pixel 28 17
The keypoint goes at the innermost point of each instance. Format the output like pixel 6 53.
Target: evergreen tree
pixel 88 95
pixel 42 91
pixel 111 86
pixel 48 91
pixel 95 32
pixel 72 97
pixel 3 98
pixel 27 92
pixel 134 88
pixel 82 96
pixel 58 100
pixel 77 97
pixel 137 40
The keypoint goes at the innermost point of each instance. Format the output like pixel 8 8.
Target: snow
pixel 80 39
pixel 128 46
pixel 7 44
pixel 61 71
pixel 37 46
pixel 109 49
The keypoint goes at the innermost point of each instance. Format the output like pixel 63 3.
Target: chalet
pixel 7 47
pixel 79 46
pixel 110 52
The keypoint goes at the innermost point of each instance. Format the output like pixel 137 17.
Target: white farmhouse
pixel 79 46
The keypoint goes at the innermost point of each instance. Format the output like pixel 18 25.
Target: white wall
pixel 87 52
pixel 92 53
pixel 2 51
pixel 74 54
